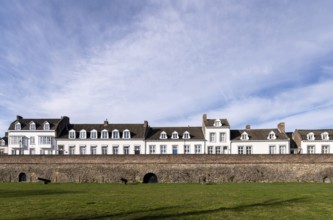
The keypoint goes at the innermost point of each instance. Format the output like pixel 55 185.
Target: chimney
pixel 18 117
pixel 204 117
pixel 145 128
pixel 248 127
pixel 106 122
pixel 145 124
pixel 282 127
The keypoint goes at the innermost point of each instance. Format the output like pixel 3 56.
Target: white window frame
pixel 115 150
pixel 126 134
pixel 32 126
pixel 310 136
pixel 104 134
pixel 271 136
pixel 223 136
pixel 311 149
pixel 186 135
pixel 240 149
pixel 197 149
pixel 72 134
pixel 18 126
pixel 46 126
pixel 71 150
pixel 244 136
pixel 115 134
pixel 93 134
pixel 218 150
pixel 126 150
pixel 325 136
pixel 217 123
pixel 83 149
pixel 282 149
pixel 163 149
pixel 248 149
pixel 152 149
pixel 83 134
pixel 104 150
pixel 187 149
pixel 210 149
pixel 212 137
pixel 32 140
pixel 272 149
pixel 325 149
pixel 93 150
pixel 175 135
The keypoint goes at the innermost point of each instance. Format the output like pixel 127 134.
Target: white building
pixel 314 141
pixel 3 146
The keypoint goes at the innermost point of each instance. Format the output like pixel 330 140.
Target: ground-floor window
pixel 186 149
pixel 240 149
pixel 71 150
pixel 197 149
pixel 137 150
pixel 210 149
pixel 248 149
pixel 218 150
pixel 93 150
pixel 32 151
pixel 115 150
pixel 311 149
pixel 152 149
pixel 126 150
pixel 163 149
pixel 325 149
pixel 82 150
pixel 104 150
pixel 272 149
pixel 282 149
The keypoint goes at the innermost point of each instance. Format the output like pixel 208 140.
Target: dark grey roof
pixel 137 130
pixel 210 122
pixel 195 132
pixel 257 134
pixel 317 133
pixel 25 123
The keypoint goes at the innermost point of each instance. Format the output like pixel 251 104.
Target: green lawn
pixel 166 201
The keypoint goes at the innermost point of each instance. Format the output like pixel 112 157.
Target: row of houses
pixel 43 136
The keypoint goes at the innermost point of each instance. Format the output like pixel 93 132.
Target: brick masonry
pixel 170 168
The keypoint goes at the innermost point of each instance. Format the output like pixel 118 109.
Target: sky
pixel 257 62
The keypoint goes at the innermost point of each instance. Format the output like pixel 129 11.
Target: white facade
pixel 314 141
pixel 260 147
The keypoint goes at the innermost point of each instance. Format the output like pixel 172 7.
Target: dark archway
pixel 22 177
pixel 150 178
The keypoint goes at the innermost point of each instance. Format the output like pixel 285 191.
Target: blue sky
pixel 168 62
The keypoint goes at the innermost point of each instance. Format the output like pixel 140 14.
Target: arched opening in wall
pixel 150 178
pixel 326 180
pixel 22 177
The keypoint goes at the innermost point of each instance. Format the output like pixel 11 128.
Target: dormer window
pixel 46 126
pixel 271 136
pixel 174 135
pixel 163 135
pixel 244 136
pixel 126 134
pixel 83 134
pixel 71 134
pixel 115 134
pixel 93 134
pixel 186 135
pixel 311 136
pixel 325 136
pixel 105 134
pixel 18 126
pixel 32 126
pixel 217 123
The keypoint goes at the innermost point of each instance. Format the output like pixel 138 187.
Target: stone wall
pixel 170 168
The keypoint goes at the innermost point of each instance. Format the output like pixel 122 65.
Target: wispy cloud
pixel 168 62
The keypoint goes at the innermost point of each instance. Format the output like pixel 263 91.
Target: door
pixel 175 149
pixel 61 150
pixel 225 150
pixel 137 150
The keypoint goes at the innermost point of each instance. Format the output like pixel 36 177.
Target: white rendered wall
pixel 170 143
pixel 317 146
pixel 260 147
pixel 217 142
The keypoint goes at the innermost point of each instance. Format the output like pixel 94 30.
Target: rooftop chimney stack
pixel 248 127
pixel 106 122
pixel 18 117
pixel 282 127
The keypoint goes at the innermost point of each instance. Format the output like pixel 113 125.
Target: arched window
pixel 32 126
pixel 83 134
pixel 46 126
pixel 93 134
pixel 105 134
pixel 325 136
pixel 271 136
pixel 174 135
pixel 163 135
pixel 18 126
pixel 126 134
pixel 217 123
pixel 310 136
pixel 71 134
pixel 244 136
pixel 115 134
pixel 186 135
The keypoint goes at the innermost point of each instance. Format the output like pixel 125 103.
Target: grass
pixel 166 201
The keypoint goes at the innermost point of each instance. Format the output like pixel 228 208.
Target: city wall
pixel 168 168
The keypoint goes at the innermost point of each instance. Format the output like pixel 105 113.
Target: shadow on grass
pixel 23 193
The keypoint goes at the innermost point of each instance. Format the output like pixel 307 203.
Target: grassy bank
pixel 166 201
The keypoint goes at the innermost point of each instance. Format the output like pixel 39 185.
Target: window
pixel 163 135
pixel 282 149
pixel 71 134
pixel 32 140
pixel 82 150
pixel 240 149
pixel 83 134
pixel 212 137
pixel 222 137
pixel 151 149
pixel 218 150
pixel 197 149
pixel 174 135
pixel 32 126
pixel 210 149
pixel 163 149
pixel 93 134
pixel 186 149
pixel 126 134
pixel 311 149
pixel 271 136
pixel 115 150
pixel 272 149
pixel 186 135
pixel 46 126
pixel 248 149
pixel 18 126
pixel 15 140
pixel 44 139
pixel 115 134
pixel 71 150
pixel 93 150
pixel 325 149
pixel 32 151
pixel 104 134
pixel 310 136
pixel 104 150
pixel 217 123
pixel 126 150
pixel 244 136
pixel 136 150
pixel 325 136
